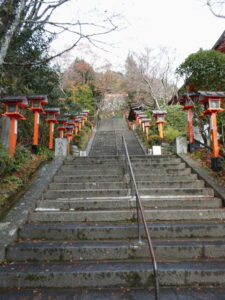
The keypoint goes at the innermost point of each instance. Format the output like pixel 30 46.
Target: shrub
pixel 170 134
pixel 176 118
pixel 154 140
pixel 7 163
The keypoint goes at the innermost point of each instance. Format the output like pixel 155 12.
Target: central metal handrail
pixel 140 211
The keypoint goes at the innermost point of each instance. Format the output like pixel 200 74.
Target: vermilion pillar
pixel 76 126
pixel 160 129
pixel 69 138
pixel 190 126
pixel 191 147
pixel 147 131
pixel 51 134
pixel 61 134
pixel 13 136
pixel 215 144
pixel 36 127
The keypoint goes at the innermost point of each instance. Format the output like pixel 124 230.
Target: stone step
pixel 176 191
pixel 163 172
pixel 165 157
pixel 162 166
pixel 177 292
pixel 165 177
pixel 111 165
pixel 150 162
pixel 108 150
pixel 77 168
pixel 89 160
pixel 87 185
pixel 88 178
pixel 65 194
pixel 102 154
pixel 170 184
pixel 126 202
pixel 54 215
pixel 171 250
pixel 111 274
pixel 184 230
pixel 90 172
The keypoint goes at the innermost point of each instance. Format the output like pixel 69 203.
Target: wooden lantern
pixel 69 134
pixel 160 120
pixel 52 113
pixel 14 108
pixel 146 126
pixel 212 106
pixel 36 102
pixel 188 102
pixel 61 126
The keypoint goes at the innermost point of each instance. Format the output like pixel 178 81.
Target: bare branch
pixel 51 8
pixel 32 14
pixel 212 8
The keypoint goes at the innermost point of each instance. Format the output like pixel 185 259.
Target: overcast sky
pixel 184 25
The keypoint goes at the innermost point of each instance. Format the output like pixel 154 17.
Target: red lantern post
pixel 36 102
pixel 14 107
pixel 69 135
pixel 137 113
pixel 160 120
pixel 212 106
pixel 188 101
pixel 61 128
pixel 51 112
pixel 146 126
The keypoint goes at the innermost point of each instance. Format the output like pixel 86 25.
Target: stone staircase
pixel 81 240
pixel 108 139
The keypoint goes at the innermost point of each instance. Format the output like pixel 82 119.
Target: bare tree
pixel 217 7
pixel 17 16
pixel 151 75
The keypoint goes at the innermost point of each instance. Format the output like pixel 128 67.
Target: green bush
pixel 170 134
pixel 21 154
pixel 82 138
pixel 47 152
pixel 176 118
pixel 7 163
pixel 154 140
pixel 13 179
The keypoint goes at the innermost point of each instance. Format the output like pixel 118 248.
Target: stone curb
pixel 140 143
pixel 203 174
pixel 90 142
pixel 18 215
